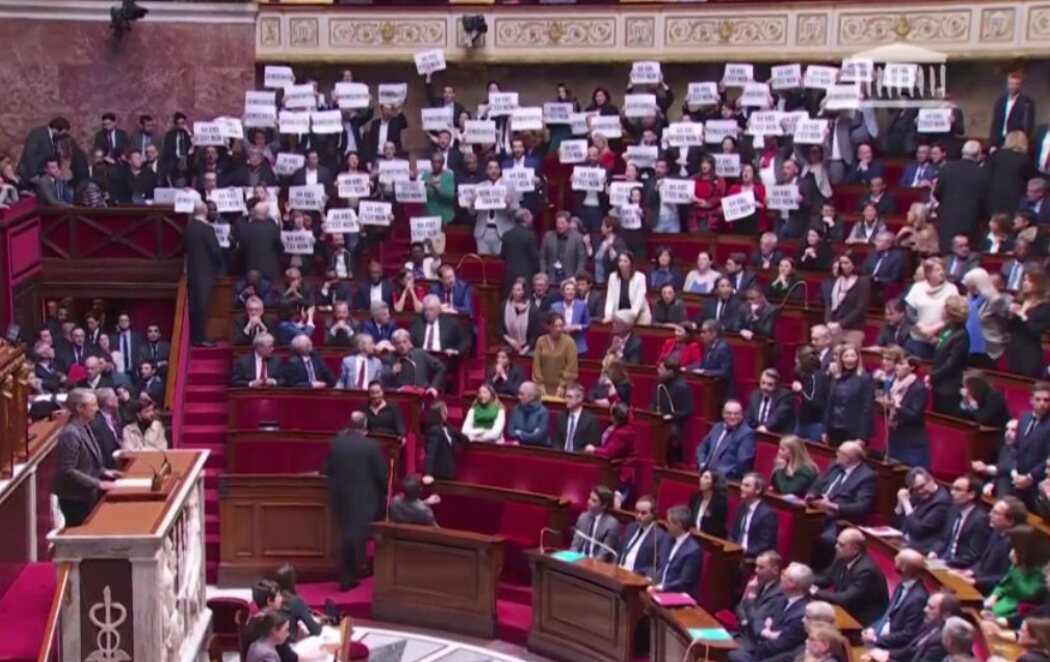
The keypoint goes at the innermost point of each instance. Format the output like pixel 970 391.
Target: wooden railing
pixel 137 233
pixel 178 361
pixel 14 419
pixel 51 643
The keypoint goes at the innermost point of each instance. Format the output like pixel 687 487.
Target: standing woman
pixel 627 291
pixel 850 293
pixel 520 323
pixel 1009 170
pixel 708 190
pixel 1029 320
pixel 555 363
pixel 811 386
pixel 926 300
pixel 989 310
pixel 751 224
pixel 847 415
pixel 950 357
pixel 906 405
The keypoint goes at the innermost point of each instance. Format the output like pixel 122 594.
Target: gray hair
pixel 79 396
pixel 801 574
pixel 104 393
pixel 971 150
pixel 530 388
pixel 261 339
pixel 626 317
pixel 431 300
pixel 378 306
pixel 302 341
pixel 400 334
pixel 680 515
pixel 957 635
pixel 820 611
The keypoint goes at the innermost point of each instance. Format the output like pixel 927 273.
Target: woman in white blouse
pixel 486 417
pixel 626 290
pixel 925 301
pixel 702 279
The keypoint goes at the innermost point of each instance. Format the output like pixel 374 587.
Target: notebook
pixel 673 600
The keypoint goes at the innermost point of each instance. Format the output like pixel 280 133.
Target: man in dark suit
pixel 642 540
pixel 903 619
pixel 253 322
pixel 408 366
pixel 853 581
pixel 926 645
pixel 110 139
pixel 884 202
pixel 783 630
pixel 52 377
pixel 736 272
pixel 313 172
pixel 1012 271
pixel 259 242
pixel 961 260
pixel 357 489
pixel 1041 150
pixel 762 598
pixel 918 173
pixel 77 350
pixel 177 143
pixel 1013 111
pixel 884 263
pixel 305 368
pixel 384 129
pixel 408 508
pixel 107 426
pixel 81 475
pixel 962 194
pixel 455 294
pixel 437 332
pixel 1036 201
pixel 375 288
pixel 755 525
pixel 845 491
pixel 450 154
pixel 41 145
pixel 681 561
pixel 127 342
pixel 767 256
pixel 717 360
pixel 254 171
pixel 258 369
pixel 966 529
pixel 154 349
pixel 1025 459
pixel 446 100
pixel 519 250
pixel 729 448
pixel 792 224
pixel 95 377
pixel 772 407
pixel 132 183
pixel 576 427
pixel 725 307
pixel 994 559
pixel 149 382
pixel 922 509
pixel 596 533
pixel 203 263
pixel 672 398
pixel 52 190
pixel 624 343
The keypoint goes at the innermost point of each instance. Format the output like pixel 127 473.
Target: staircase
pixel 204 423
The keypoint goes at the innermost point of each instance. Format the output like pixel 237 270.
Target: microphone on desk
pixel 547 529
pixel 706 654
pixel 805 293
pixel 595 542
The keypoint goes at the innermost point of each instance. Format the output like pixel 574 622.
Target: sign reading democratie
pixel 275 77
pixel 352 95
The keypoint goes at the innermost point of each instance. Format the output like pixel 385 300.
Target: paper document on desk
pixel 882 531
pixel 134 483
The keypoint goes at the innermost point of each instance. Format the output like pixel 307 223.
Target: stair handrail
pixel 475 256
pixel 49 644
pixel 174 394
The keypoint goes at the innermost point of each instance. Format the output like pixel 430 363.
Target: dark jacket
pixel 890 268
pixel 964 541
pixel 510 385
pixel 715 517
pixel 244 370
pixel 851 311
pixel 261 248
pixel 588 431
pixel 440 461
pixel 949 361
pixel 859 588
pixel 849 405
pixel 762 532
pixel 780 416
pixel 80 465
pixel 855 495
pixel 357 483
pixel 909 419
pixel 923 528
pixel 680 574
pixel 294 371
pixel 904 616
pixel 730 313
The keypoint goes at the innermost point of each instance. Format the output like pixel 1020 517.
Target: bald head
pixel 260 210
pixel 358 422
pixel 910 564
pixel 849 545
pixel 850 453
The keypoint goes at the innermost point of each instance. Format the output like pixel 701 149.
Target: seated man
pixel 252 322
pixel 772 407
pixel 576 428
pixel 853 581
pixel 408 508
pixel 95 377
pixel 304 367
pixel 755 528
pixel 374 289
pixel 767 256
pixel 437 332
pixel 455 294
pixel 529 421
pixel 725 307
pixel 717 360
pixel 884 263
pixel 903 619
pixel 681 561
pixel 922 509
pixel 253 285
pixel 150 383
pixel 896 329
pixel 295 293
pixel 919 172
pixel 596 532
pixel 884 202
pixel 866 167
pixel 339 330
pixel 362 366
pixel 295 321
pixel 961 261
pixel 143 431
pixel 334 289
pixel 729 447
pixel 762 598
pixel 381 326
pixel 736 272
pixel 845 491
pixel 966 529
pixel 867 228
pixel 543 297
pixel 642 539
pixel 927 643
pixel 784 630
pixel 258 369
pixel 47 370
pixel 409 367
pixel 624 343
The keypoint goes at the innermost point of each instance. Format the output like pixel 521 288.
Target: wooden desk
pixel 670 638
pixel 292 451
pixel 584 611
pixel 884 550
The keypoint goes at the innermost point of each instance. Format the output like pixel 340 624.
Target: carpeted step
pixel 221 350
pixel 211 571
pixel 210 378
pixel 203 434
pixel 202 413
pixel 209 393
pixel 24 610
pixel 519 593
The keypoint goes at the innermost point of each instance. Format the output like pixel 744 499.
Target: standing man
pixel 260 243
pixel 1013 111
pixel 357 486
pixel 81 477
pixel 203 262
pixel 42 144
pixel 962 195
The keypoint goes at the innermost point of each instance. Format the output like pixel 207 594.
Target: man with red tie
pixel 454 294
pixel 259 369
pixel 361 367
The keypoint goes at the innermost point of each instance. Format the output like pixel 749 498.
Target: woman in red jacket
pixel 618 442
pixel 753 223
pixel 707 198
pixel 683 344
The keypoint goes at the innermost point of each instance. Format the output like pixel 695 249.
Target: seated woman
pixel 294 606
pixel 382 417
pixel 1024 582
pixel 618 443
pixel 905 400
pixel 669 309
pixel 663 271
pixel 702 279
pixel 408 296
pixel 999 238
pixel 758 316
pixel 613 384
pixel 520 319
pixel 709 507
pixel 816 256
pixel 555 362
pixel 981 402
pixel 486 417
pixel 504 375
pixel 783 286
pixel 794 471
pixel 918 234
pixel 272 632
pixel 683 345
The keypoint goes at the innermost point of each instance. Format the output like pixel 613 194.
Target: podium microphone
pixel 547 529
pixel 595 542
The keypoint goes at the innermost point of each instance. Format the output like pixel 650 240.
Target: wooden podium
pixel 136 578
pixel 588 610
pixel 670 638
pixel 437 578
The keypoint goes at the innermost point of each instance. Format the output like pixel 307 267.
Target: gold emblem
pixel 555 31
pixel 902 27
pixel 386 32
pixel 725 30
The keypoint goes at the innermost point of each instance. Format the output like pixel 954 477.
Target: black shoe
pixel 331 612
pixel 205 343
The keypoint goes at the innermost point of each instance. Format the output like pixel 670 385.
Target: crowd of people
pixel 949 319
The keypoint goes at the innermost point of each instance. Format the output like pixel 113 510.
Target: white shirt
pixel 836 148
pixel 701 511
pixel 432 338
pixel 1044 153
pixel 1010 102
pixel 311 177
pixel 745 526
pixel 375 293
pixel 258 367
pixel 351 142
pixel 384 128
pixel 632 551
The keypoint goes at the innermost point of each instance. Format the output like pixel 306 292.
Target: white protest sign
pixel 557 113
pixel 502 103
pixel 260 116
pixel 354 185
pixel 293 121
pixel 393 94
pixel 736 207
pixel 222 234
pixel 298 242
pixel 298 97
pixel 327 122
pixel 586 178
pixel 727 165
pixel 227 200
pixel 639 105
pixel 352 95
pixel 275 77
pixel 765 123
pixel 786 76
pixel 716 130
pixel 465 196
pixel 424 227
pixel 309 197
pixel 572 151
pixel 737 75
pixel 607 126
pixel 437 119
pixel 260 99
pixel 684 134
pixel 164 196
pixel 341 221
pixel 370 212
pixel 857 70
pixel 676 191
pixel 900 75
pixel 642 156
pixel 620 192
pixel 287 163
pixel 782 197
pixel 410 191
pixel 645 73
pixel 811 132
pixel 578 123
pixel 232 128
pixel 526 119
pixel 208 133
pixel 490 197
pixel 935 120
pixel 843 97
pixel 185 200
pixel 755 95
pixel 479 132
pixel 631 217
pixel 522 179
pixel 788 121
pixel 423 166
pixel 703 94
pixel 428 62
pixel 272 192
pixel 394 170
pixel 820 77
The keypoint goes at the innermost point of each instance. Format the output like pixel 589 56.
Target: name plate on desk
pixel 567 556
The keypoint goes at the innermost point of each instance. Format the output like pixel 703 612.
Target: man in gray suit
pixel 81 477
pixel 491 224
pixel 408 508
pixel 52 188
pixel 597 532
pixel 846 130
pixel 563 253
pixel 42 143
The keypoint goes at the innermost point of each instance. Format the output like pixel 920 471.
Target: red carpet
pixel 24 610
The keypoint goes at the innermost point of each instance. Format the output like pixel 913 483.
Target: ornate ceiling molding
pixel 212 13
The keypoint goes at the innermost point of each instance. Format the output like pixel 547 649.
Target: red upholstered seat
pixel 228 615
pixel 947 449
pixel 673 493
pixel 310 411
pixel 521 523
pixel 290 455
pixel 785 532
pixel 457 511
pixel 765 457
pixel 706 579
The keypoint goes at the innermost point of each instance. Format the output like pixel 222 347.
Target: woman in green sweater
pixel 486 417
pixel 794 470
pixel 441 190
pixel 1024 581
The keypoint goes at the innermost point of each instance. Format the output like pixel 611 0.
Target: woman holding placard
pixel 626 290
pixel 708 191
pixel 751 224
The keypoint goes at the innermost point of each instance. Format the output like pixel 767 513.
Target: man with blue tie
pixel 717 359
pixel 729 448
pixel 52 190
pixel 680 558
pixel 783 631
pixel 884 264
pixel 903 619
pixel 926 645
pixel 845 491
pixel 755 529
pixel 1025 460
pixel 918 173
pixel 966 531
pixel 128 343
pixel 642 539
pixel 1013 270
